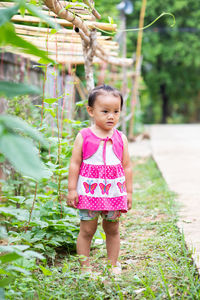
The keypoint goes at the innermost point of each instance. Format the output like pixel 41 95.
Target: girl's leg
pixel 87 231
pixel 112 240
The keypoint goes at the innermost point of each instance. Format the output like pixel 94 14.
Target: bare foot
pixel 117 270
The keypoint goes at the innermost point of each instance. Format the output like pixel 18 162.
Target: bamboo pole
pixel 53 39
pixel 124 72
pixel 69 35
pixel 73 59
pixel 137 62
pixel 84 16
pixel 52 14
pixel 83 11
pixel 64 22
pixel 44 29
pixel 62 32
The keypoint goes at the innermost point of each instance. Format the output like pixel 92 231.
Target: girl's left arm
pixel 126 163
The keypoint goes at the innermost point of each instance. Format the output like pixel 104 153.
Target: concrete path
pixel 176 150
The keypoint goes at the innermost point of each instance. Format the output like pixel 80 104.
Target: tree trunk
pixel 165 103
pixel 88 53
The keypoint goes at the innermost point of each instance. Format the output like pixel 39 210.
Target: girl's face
pixel 106 111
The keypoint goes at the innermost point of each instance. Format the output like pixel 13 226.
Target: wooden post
pixel 137 75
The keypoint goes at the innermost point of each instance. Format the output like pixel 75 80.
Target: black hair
pixel 101 89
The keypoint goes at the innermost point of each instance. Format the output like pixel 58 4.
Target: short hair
pixel 101 89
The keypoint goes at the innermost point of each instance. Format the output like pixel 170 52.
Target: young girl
pixel 100 174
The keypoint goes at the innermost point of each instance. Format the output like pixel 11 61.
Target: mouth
pixel 110 123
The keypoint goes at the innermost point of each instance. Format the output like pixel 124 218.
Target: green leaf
pixel 7 13
pixel 53 31
pixel 22 10
pixel 38 13
pixel 4 272
pixel 8 37
pixel 11 89
pixel 16 124
pixel 110 19
pixel 5 281
pixel 51 111
pixel 19 214
pixel 23 155
pixel 31 254
pixel 2 158
pixel 50 100
pixel 9 257
pixel 81 103
pixel 18 269
pixel 45 271
pixel 39 246
pixel 13 248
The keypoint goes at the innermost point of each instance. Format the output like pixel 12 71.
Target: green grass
pixel 155 261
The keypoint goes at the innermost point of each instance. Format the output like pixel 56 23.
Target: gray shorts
pixel 87 215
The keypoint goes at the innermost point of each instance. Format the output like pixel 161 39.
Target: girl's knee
pixel 88 230
pixel 111 228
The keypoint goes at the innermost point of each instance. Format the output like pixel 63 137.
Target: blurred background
pixel 169 85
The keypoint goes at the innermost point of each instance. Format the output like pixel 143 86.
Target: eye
pixel 105 111
pixel 116 111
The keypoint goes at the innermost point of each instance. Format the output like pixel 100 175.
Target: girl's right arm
pixel 74 168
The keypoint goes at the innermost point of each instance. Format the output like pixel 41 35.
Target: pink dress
pixel 101 184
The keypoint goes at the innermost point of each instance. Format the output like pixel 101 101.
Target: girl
pixel 100 175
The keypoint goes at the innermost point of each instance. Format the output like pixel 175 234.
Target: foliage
pixel 45 229
pixel 15 261
pixel 170 60
pixel 9 36
pixel 111 6
pixel 42 222
pixel 11 89
pixel 49 225
pixel 155 262
pixel 20 150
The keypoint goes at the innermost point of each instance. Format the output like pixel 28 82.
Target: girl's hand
pixel 129 200
pixel 72 198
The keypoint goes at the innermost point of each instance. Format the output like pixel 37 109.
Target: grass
pixel 156 263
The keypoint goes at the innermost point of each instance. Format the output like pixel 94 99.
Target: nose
pixel 110 116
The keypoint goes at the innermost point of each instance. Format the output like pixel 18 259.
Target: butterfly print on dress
pixel 122 186
pixel 89 187
pixel 105 188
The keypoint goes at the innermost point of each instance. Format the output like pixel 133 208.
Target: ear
pixel 90 111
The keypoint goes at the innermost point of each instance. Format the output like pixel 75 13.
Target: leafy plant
pixel 13 260
pixel 8 35
pixel 19 150
pixel 49 227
